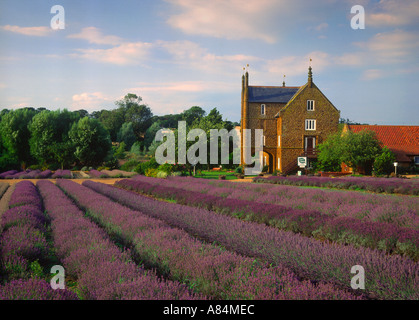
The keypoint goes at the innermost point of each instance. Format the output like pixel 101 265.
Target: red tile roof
pixel 402 140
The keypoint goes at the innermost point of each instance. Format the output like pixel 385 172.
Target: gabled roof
pixel 271 94
pixel 402 140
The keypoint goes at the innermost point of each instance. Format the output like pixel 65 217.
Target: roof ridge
pixel 287 87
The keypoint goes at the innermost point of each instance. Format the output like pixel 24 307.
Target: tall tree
pixel 49 142
pixel 330 154
pixel 194 113
pixel 91 140
pixel 126 134
pixel 15 134
pixel 112 120
pixel 134 111
pixel 360 150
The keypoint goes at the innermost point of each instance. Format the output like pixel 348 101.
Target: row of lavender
pixel 88 255
pixel 206 268
pixel 380 185
pixel 24 248
pixel 36 174
pixel 399 210
pixel 346 230
pixel 387 277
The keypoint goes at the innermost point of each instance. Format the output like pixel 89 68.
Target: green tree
pixel 91 140
pixel 330 154
pixel 135 112
pixel 126 134
pixel 112 120
pixel 49 142
pixel 150 134
pixel 384 163
pixel 15 135
pixel 360 150
pixel 194 113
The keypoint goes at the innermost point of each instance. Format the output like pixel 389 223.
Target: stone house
pixel 294 121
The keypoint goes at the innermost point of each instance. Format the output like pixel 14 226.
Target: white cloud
pixel 229 19
pixel 28 31
pixel 372 74
pixel 292 66
pixel 193 56
pixel 391 47
pixel 176 96
pixel 130 53
pixel 91 101
pixel 95 36
pixel 394 13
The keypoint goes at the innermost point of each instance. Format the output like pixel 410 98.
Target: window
pixel 279 141
pixel 310 124
pixel 279 163
pixel 417 160
pixel 310 105
pixel 262 109
pixel 264 140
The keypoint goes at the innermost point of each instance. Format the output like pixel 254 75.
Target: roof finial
pixel 310 74
pixel 283 82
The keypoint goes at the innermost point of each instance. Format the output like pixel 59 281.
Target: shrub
pixel 166 167
pixel 142 167
pixel 150 172
pixel 161 174
pixel 129 165
pixel 238 170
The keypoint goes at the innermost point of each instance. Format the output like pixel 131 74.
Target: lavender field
pixel 195 239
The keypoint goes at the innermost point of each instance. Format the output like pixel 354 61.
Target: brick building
pixel 294 121
pixel 402 140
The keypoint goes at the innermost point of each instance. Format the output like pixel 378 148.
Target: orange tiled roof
pixel 402 140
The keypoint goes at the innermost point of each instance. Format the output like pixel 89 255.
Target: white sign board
pixel 302 162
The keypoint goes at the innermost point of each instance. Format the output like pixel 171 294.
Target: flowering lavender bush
pixel 101 269
pixel 7 173
pixel 23 239
pixel 375 235
pixel 25 193
pixel 97 174
pixel 15 174
pixel 388 277
pixel 25 215
pixel 30 175
pixel 393 185
pixel 62 174
pixel 33 289
pixel 401 211
pixel 44 174
pixel 212 271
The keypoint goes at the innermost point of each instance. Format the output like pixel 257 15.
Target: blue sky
pixel 180 53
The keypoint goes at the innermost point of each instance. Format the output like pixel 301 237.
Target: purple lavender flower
pixel 33 289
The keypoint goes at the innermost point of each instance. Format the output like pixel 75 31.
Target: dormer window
pixel 262 109
pixel 310 105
